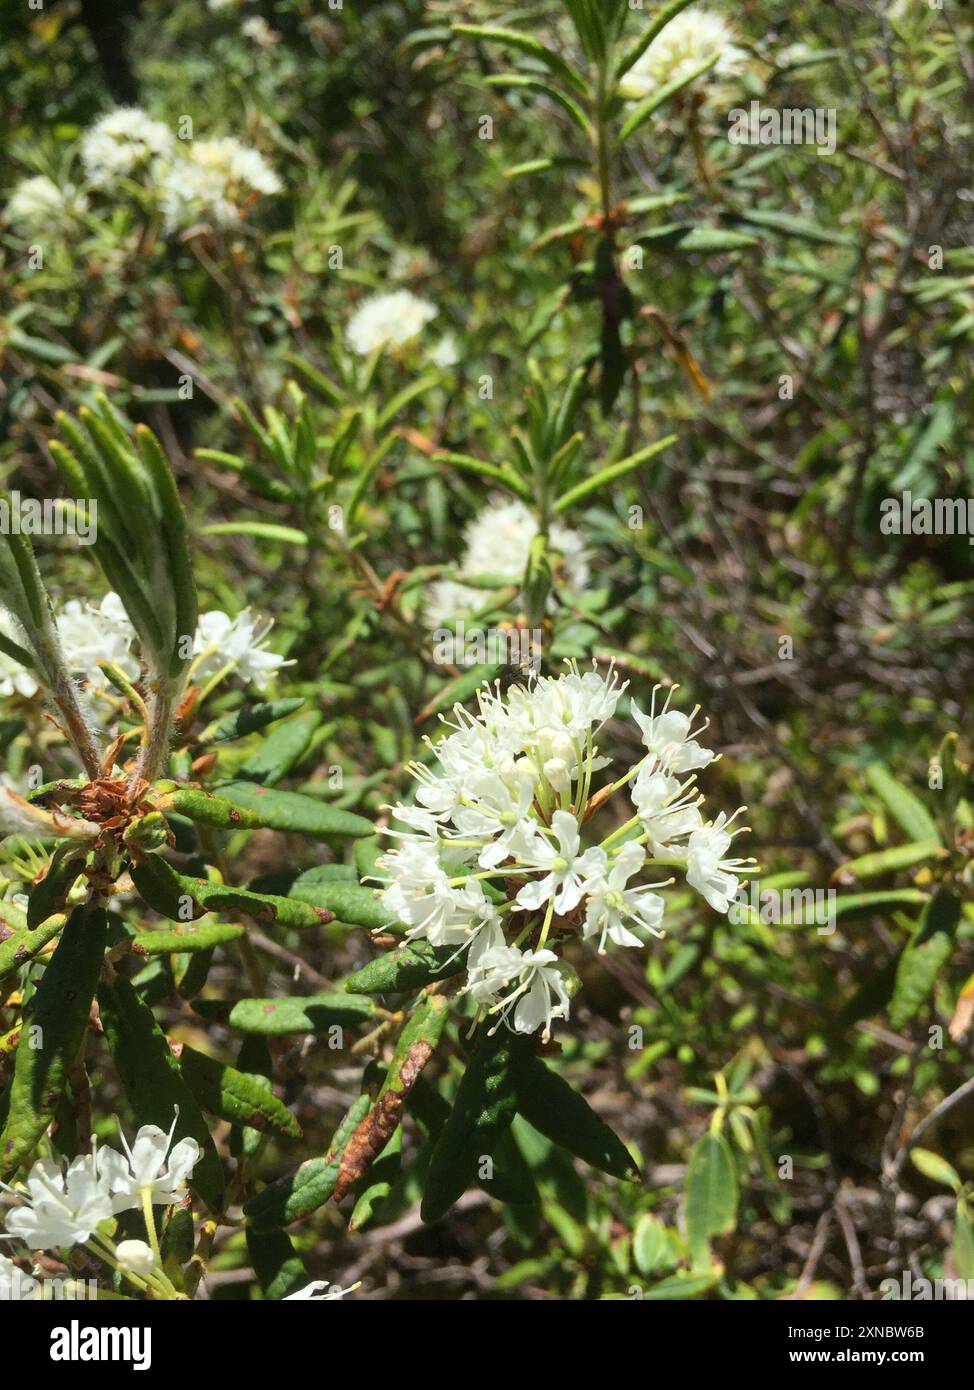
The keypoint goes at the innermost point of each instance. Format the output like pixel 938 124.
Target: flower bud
pixel 135 1257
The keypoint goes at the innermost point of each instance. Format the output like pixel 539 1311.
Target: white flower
pixel 88 634
pixel 708 871
pixel 498 542
pixel 668 736
pixel 506 807
pixel 215 182
pixel 153 1165
pixel 62 1205
pixel 445 353
pixel 667 808
pixel 491 809
pixel 38 204
pixel 387 320
pixel 14 678
pixel 135 1257
pixel 15 1285
pixel 625 915
pixel 564 868
pixel 256 28
pixel 238 643
pixel 536 985
pixel 316 1291
pixel 693 37
pixel 123 143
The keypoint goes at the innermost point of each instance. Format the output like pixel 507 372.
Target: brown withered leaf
pixel 373 1133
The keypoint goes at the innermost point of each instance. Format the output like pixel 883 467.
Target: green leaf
pixel 249 719
pixel 52 1034
pixel 907 810
pixel 181 898
pixel 512 39
pixel 924 957
pixel 50 895
pixel 711 1195
pixel 153 1082
pixel 313 1013
pixel 654 27
pixel 560 98
pixel 237 1096
pixel 281 750
pixel 313 1183
pixel 350 902
pixel 688 239
pixel 658 99
pixel 557 1111
pixel 294 813
pixel 409 968
pixel 601 480
pixel 963 1243
pixel 259 530
pixel 496 473
pixel 681 1286
pixel 485 1105
pixel 277 1265
pixel 162 942
pixel 888 861
pixel 852 905
pixel 20 943
pixel 935 1168
pixel 649 1245
pixel 802 227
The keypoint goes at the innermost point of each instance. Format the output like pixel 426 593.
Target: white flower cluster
pixel 63 1204
pixel 213 182
pixel 694 37
pixel 491 862
pixel 190 181
pixel 38 203
pixel 89 633
pixel 498 542
pixel 123 144
pixel 388 320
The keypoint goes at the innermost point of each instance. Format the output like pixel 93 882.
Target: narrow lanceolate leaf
pixel 606 476
pixel 485 1105
pixel 50 895
pixel 294 813
pixel 557 1111
pixel 314 1013
pixel 153 1082
pixel 711 1195
pixel 646 109
pixel 924 958
pixel 277 1265
pixel 907 810
pixel 311 1186
pixel 415 1047
pixel 201 938
pixel 888 861
pixel 349 902
pixel 281 750
pixel 937 1169
pixel 249 720
pixel 510 38
pixel 409 968
pixel 20 943
pixel 234 1095
pixel 52 1035
pixel 181 898
pixel 868 904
